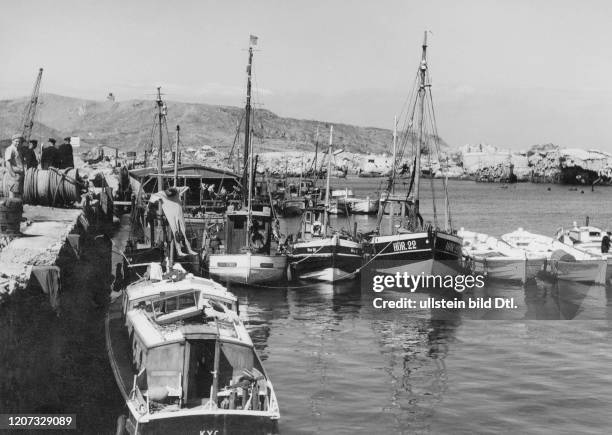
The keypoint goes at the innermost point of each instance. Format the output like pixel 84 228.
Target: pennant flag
pixel 253 40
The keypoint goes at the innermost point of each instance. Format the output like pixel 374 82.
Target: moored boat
pixel 365 205
pixel 563 261
pixel 245 252
pixel 410 244
pixel 588 238
pixel 498 260
pixel 320 254
pixel 183 360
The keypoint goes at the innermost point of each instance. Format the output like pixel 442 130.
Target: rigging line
pixel 237 135
pixel 444 178
pixel 408 132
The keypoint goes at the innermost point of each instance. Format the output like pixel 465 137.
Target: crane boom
pixel 30 111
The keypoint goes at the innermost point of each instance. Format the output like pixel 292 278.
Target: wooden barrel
pixel 11 211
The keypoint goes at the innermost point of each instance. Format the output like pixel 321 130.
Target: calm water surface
pixel 341 367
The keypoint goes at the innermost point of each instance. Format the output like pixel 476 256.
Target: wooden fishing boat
pixel 245 250
pixel 588 238
pixel 410 244
pixel 245 254
pixel 183 360
pixel 496 259
pixel 563 261
pixel 320 254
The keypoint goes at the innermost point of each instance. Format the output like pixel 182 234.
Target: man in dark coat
pixel 64 151
pixel 48 156
pixel 28 155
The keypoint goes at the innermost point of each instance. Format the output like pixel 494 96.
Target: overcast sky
pixel 509 73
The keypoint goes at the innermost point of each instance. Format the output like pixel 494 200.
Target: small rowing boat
pixel 497 259
pixel 563 261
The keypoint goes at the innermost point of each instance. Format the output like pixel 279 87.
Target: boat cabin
pixel 189 349
pixel 240 237
pixel 209 188
pixel 312 223
pixel 401 213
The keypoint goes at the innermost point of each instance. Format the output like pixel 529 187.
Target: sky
pixel 506 73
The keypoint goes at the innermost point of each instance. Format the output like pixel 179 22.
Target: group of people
pixel 20 156
pixel 209 193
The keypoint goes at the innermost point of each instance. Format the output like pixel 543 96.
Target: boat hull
pixel 293 207
pixel 506 269
pixel 586 271
pixel 247 268
pixel 326 259
pixel 365 206
pixel 223 424
pixel 427 253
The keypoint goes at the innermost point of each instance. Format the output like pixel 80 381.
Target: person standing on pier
pixel 14 167
pixel 48 156
pixel 29 156
pixel 64 151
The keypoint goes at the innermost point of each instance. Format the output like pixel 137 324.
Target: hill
pixel 128 125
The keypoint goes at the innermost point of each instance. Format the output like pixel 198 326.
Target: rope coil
pixel 52 187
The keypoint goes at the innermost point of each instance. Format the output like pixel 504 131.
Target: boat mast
pixel 394 153
pixel 314 163
pixel 247 118
pixel 160 114
pixel 421 96
pixel 250 196
pixel 176 156
pixel 327 190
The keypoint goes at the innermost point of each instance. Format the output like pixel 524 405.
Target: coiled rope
pixel 52 187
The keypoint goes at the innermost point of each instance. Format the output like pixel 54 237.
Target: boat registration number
pixel 407 245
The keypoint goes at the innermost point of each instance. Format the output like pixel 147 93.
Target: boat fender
pixel 290 272
pixel 121 425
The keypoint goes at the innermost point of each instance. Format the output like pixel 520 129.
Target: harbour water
pixel 339 366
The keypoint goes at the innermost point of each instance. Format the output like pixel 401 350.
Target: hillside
pixel 128 125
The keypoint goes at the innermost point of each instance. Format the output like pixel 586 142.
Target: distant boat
pixel 183 360
pixel 365 205
pixel 498 260
pixel 564 261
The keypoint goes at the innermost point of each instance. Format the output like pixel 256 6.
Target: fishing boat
pixel 319 253
pixel 183 360
pixel 588 238
pixel 244 250
pixel 410 244
pixel 563 261
pixel 496 259
pixel 181 356
pixel 365 205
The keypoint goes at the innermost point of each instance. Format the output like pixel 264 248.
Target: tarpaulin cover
pixel 173 210
pixel 49 279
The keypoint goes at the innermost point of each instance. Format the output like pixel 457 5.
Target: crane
pixel 30 111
